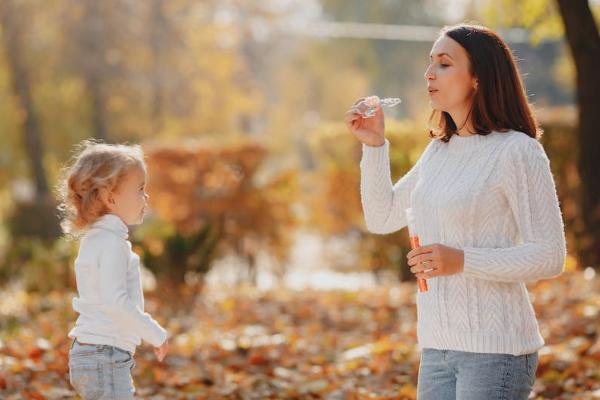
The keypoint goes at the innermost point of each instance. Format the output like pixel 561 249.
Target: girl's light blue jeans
pixel 459 375
pixel 101 372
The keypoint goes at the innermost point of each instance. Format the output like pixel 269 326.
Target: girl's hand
pixel 369 131
pixel 437 260
pixel 162 350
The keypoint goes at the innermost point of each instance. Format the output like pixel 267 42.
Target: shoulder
pixel 102 240
pixel 519 145
pixel 522 155
pixel 433 146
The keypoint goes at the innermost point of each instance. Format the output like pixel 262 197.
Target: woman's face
pixel 449 80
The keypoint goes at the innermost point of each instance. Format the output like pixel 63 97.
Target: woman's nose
pixel 429 73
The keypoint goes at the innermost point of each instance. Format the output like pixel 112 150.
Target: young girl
pixel 488 217
pixel 104 192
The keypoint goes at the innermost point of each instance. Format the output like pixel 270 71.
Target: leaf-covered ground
pixel 245 344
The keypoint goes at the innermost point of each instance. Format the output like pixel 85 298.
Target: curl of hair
pixel 95 168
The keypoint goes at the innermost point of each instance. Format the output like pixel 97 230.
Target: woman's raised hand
pixel 369 131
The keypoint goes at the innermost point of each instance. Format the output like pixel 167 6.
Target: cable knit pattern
pixel 493 197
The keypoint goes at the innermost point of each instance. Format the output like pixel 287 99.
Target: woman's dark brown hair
pixel 500 102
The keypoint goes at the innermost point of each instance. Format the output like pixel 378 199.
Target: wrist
pixel 376 144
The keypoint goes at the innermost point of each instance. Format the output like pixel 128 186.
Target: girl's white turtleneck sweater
pixel 493 197
pixel 111 301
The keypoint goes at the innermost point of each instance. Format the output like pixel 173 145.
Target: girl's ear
pixel 106 196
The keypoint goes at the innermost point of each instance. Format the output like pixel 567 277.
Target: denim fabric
pixel 459 375
pixel 101 372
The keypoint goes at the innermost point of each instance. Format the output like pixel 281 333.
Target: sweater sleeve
pixel 384 205
pixel 117 304
pixel 529 187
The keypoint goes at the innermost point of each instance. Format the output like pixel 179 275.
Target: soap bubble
pixel 368 106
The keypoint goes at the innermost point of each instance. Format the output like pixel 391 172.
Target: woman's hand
pixel 369 131
pixel 437 260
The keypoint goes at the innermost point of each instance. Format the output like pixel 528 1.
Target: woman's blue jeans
pixel 459 375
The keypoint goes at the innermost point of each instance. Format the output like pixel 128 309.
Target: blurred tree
pixel 160 37
pixel 197 73
pixel 98 39
pixel 30 216
pixel 13 21
pixel 214 204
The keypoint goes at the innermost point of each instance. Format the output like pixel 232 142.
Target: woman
pixel 488 219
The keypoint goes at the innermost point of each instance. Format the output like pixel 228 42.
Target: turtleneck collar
pixel 112 223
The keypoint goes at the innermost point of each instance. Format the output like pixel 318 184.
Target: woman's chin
pixel 435 106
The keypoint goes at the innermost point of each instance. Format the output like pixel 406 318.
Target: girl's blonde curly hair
pixel 96 167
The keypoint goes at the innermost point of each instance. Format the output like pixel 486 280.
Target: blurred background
pixel 254 180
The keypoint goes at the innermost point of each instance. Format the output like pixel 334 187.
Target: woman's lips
pixel 432 91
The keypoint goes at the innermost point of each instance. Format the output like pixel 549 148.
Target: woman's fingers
pixel 358 101
pixel 421 259
pixel 352 114
pixel 351 118
pixel 368 130
pixel 426 266
pixel 420 250
pixel 430 274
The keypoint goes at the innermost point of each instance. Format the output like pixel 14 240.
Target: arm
pixel 113 293
pixel 529 188
pixel 383 204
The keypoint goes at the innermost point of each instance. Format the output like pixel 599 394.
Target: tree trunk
pixel 158 33
pixel 13 36
pixel 94 86
pixel 94 66
pixel 584 42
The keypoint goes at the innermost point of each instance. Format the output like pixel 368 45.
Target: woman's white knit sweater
pixel 493 197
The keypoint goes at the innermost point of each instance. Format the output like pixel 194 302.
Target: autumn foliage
pixel 246 344
pixel 209 202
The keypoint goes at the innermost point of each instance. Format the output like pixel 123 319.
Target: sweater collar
pixel 468 143
pixel 113 223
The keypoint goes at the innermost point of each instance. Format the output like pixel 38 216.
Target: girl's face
pixel 129 199
pixel 449 79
